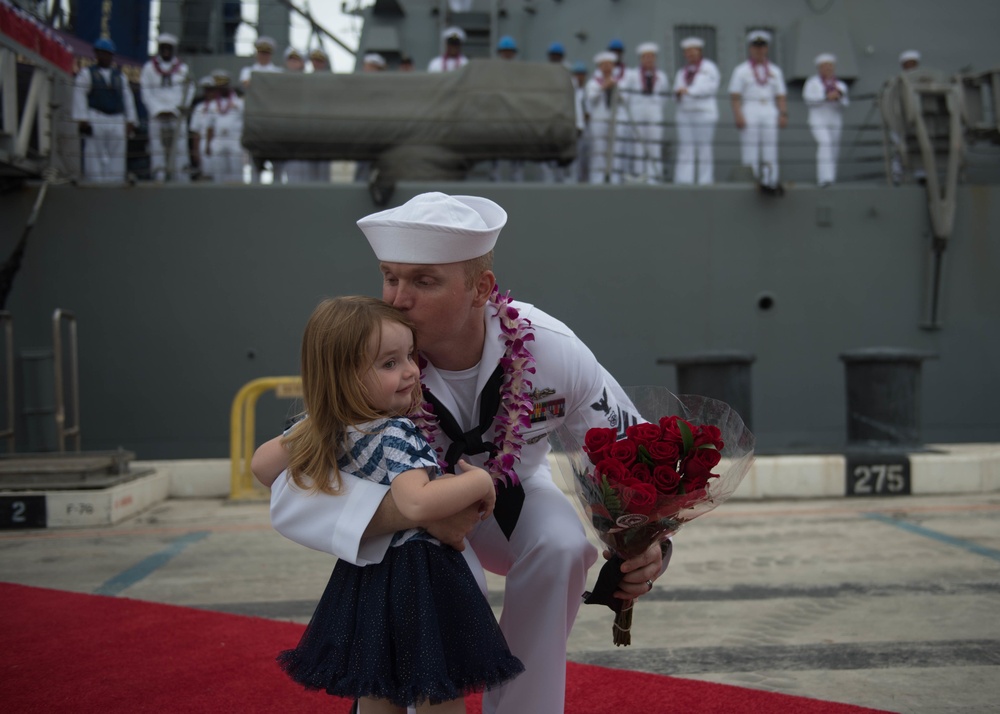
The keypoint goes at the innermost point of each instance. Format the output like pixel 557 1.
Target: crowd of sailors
pixel 195 126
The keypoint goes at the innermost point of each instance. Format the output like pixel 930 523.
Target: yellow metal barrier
pixel 242 431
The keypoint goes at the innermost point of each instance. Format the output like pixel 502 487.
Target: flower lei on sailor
pixel 513 414
pixel 172 68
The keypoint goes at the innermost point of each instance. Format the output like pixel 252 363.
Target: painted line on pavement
pixel 935 535
pixel 146 566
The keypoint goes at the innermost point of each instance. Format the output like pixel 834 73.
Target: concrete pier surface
pixel 888 602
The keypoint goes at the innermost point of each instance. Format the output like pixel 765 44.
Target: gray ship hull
pixel 184 294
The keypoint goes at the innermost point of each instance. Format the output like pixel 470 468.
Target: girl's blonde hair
pixel 341 341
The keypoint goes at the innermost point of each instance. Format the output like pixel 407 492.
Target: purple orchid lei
pixel 515 403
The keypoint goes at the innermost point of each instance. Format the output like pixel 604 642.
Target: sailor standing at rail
pixel 167 90
pixel 264 62
pixel 759 101
pixel 695 88
pixel 608 122
pixel 826 97
pixel 646 88
pixel 225 128
pixel 104 109
pixel 293 170
pixel 507 169
pixel 452 57
pixel 198 126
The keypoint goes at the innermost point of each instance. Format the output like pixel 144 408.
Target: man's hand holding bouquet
pixel 640 484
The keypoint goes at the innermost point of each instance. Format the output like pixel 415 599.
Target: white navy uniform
pixel 447 64
pixel 167 88
pixel 198 125
pixel 647 96
pixel 759 139
pixel 256 67
pixel 608 131
pixel 245 76
pixel 826 120
pixel 543 584
pixel 696 117
pixel 226 120
pixel 105 150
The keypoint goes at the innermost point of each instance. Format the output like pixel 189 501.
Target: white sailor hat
pixel 434 228
pixel 605 56
pixel 220 77
pixel 264 43
pixel 165 38
pixel 689 42
pixel 759 36
pixel 374 58
pixel 826 57
pixel 456 32
pixel 647 47
pixel 206 81
pixel 292 52
pixel 909 56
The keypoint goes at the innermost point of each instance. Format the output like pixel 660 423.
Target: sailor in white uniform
pixel 605 103
pixel 167 90
pixel 104 109
pixel 320 60
pixel 826 97
pixel 647 88
pixel 225 131
pixel 545 555
pixel 759 100
pixel 507 169
pixel 695 88
pixel 294 170
pixel 264 62
pixel 198 126
pixel 451 58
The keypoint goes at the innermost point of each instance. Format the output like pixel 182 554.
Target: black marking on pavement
pixel 771 592
pixel 762 658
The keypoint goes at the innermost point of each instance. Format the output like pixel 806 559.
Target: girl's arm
pixel 268 461
pixel 420 499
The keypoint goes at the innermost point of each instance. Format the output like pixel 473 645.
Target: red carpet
pixel 66 652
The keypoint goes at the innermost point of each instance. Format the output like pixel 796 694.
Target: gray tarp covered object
pixel 488 109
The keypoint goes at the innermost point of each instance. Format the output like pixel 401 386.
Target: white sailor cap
pixel 909 56
pixel 648 47
pixel 165 38
pixel 374 58
pixel 456 32
pixel 689 42
pixel 605 56
pixel 206 81
pixel 220 77
pixel 759 36
pixel 434 228
pixel 292 52
pixel 826 57
pixel 264 43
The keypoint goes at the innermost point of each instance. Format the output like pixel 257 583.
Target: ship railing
pixel 8 433
pixel 243 429
pixel 26 130
pixel 67 379
pixel 981 96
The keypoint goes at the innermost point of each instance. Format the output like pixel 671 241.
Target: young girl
pixel 414 629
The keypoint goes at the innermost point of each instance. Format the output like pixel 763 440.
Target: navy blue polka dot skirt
pixel 413 629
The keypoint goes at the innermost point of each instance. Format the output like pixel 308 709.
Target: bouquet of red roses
pixel 639 487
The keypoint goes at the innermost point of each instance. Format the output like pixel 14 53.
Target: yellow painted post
pixel 242 430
